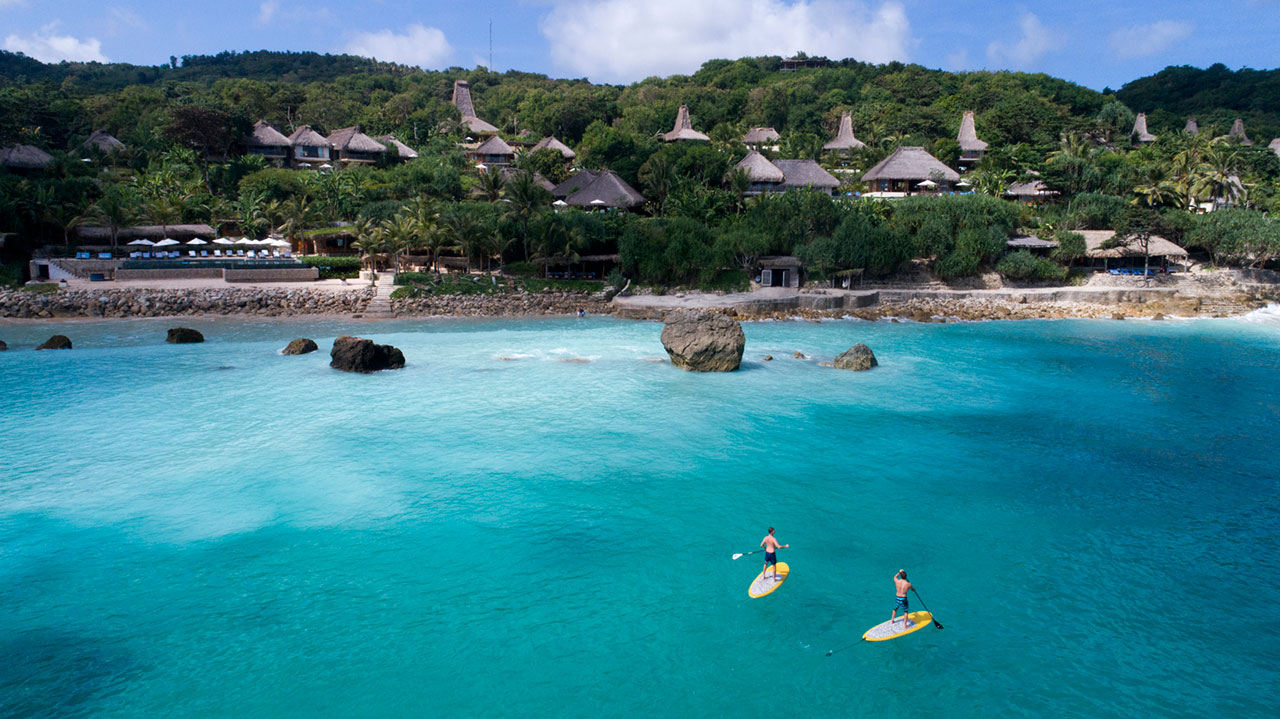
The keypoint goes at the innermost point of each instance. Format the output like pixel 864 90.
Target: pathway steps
pixel 380 306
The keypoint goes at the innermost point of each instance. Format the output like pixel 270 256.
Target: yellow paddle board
pixel 763 585
pixel 900 626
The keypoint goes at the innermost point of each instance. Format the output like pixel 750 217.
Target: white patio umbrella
pixel 197 241
pixel 282 243
pixel 166 242
pixel 147 243
pixel 244 241
pixel 598 203
pixel 964 183
pixel 223 241
pixel 559 203
pixel 927 183
pixel 326 166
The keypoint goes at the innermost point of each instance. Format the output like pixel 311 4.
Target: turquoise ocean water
pixel 1090 508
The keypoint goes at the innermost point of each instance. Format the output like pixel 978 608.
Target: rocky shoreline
pixel 503 305
pixel 140 302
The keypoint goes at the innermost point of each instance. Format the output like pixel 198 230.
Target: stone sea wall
pixel 139 302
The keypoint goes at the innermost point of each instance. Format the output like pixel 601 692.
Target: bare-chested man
pixel 902 586
pixel 771 547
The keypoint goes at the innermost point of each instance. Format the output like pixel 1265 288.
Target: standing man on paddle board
pixel 902 586
pixel 771 548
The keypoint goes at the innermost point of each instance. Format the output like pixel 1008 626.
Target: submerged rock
pixel 857 358
pixel 799 355
pixel 356 354
pixel 300 346
pixel 56 342
pixel 3 346
pixel 703 341
pixel 183 336
pixel 767 358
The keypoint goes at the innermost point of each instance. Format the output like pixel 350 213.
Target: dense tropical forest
pixel 181 124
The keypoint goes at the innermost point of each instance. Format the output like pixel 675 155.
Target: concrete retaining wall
pixel 186 273
pixel 290 274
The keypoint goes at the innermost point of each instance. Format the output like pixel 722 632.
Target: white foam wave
pixel 1269 315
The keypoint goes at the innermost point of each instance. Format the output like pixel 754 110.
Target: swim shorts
pixel 770 558
pixel 900 603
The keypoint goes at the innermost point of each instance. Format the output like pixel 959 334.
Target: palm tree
pixel 558 239
pixel 527 198
pixel 738 181
pixel 117 208
pixel 399 234
pixel 251 213
pixel 293 217
pixel 491 183
pixel 370 241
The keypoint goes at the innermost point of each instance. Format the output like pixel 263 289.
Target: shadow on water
pixel 46 673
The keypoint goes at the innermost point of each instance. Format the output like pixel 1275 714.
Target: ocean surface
pixel 1090 508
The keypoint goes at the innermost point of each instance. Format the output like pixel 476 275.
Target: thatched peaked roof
pixel 844 139
pixel 1275 145
pixel 462 101
pixel 968 135
pixel 1035 188
pixel 551 143
pixel 1192 127
pixel 264 135
pixel 544 183
pixel 806 173
pixel 149 232
pixel 758 135
pixel 403 150
pixel 103 140
pixel 577 181
pixel 1237 132
pixel 478 126
pixel 25 157
pixel 683 129
pixel 910 163
pixel 352 139
pixel 495 146
pixel 1159 246
pixel 305 136
pixel 1139 132
pixel 607 190
pixel 759 169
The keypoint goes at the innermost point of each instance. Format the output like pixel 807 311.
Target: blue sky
pixel 1096 44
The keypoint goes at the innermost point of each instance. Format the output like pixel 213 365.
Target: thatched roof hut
pixel 683 130
pixel 1159 246
pixel 544 183
pixel 404 151
pixel 968 135
pixel 25 157
pixel 760 136
pixel 1192 127
pixel 1029 190
pixel 912 164
pixel 806 174
pixel 266 136
pixel 103 140
pixel 1275 145
pixel 145 232
pixel 606 190
pixel 844 139
pixel 1237 133
pixel 351 139
pixel 1140 134
pixel 551 143
pixel 462 101
pixel 576 181
pixel 759 169
pixel 495 146
pixel 306 137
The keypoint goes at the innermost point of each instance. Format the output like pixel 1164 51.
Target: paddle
pixel 748 554
pixel 936 623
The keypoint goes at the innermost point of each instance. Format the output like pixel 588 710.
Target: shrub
pixel 273 183
pixel 10 275
pixel 332 268
pixel 615 278
pixel 522 269
pixel 1071 247
pixel 1022 265
pixel 408 278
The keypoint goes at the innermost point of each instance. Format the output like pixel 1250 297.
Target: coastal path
pixel 380 306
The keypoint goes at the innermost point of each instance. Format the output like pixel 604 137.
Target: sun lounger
pixel 191 253
pixel 204 253
pixel 239 253
pixel 217 253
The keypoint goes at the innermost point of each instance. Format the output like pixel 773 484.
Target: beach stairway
pixel 380 306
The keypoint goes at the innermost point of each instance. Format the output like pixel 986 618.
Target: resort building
pixel 908 171
pixel 1192 127
pixel 971 148
pixel 310 148
pixel 1165 255
pixel 606 190
pixel 1275 145
pixel 1031 191
pixel 783 175
pixel 683 130
pixel 551 143
pixel 403 151
pixel 778 271
pixel 350 146
pixel 494 152
pixel 103 142
pixel 1237 133
pixel 544 183
pixel 1140 135
pixel 844 142
pixel 576 181
pixel 761 138
pixel 462 101
pixel 24 158
pixel 267 141
pixel 1032 244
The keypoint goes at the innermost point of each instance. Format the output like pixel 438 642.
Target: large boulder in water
pixel 300 346
pixel 356 354
pixel 857 358
pixel 703 341
pixel 183 336
pixel 56 342
pixel 3 346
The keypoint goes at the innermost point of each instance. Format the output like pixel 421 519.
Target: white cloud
pixel 1143 40
pixel 621 40
pixel 419 45
pixel 267 11
pixel 46 46
pixel 1036 40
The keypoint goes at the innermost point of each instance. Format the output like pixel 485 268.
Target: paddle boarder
pixel 771 547
pixel 902 586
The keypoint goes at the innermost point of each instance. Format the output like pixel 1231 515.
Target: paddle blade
pixel 736 556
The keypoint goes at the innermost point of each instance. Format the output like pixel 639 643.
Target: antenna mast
pixel 490 44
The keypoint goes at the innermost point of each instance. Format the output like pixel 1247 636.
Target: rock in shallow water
pixel 300 346
pixel 356 354
pixel 56 342
pixel 3 346
pixel 183 336
pixel 703 341
pixel 857 358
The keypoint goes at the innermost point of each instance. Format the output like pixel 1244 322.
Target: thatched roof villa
pixel 538 179
pixel 267 141
pixel 462 101
pixel 1162 251
pixel 1139 133
pixel 551 143
pixel 1029 191
pixel 901 173
pixel 844 141
pixel 783 175
pixel 758 137
pixel 576 181
pixel 103 141
pixel 683 130
pixel 607 190
pixel 1237 133
pixel 1192 127
pixel 760 170
pixel 1275 145
pixel 403 151
pixel 971 148
pixel 24 157
pixel 494 152
pixel 310 148
pixel 351 146
pixel 88 234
